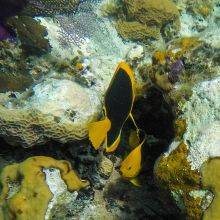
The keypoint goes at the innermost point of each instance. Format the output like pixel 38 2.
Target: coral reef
pixel 203 134
pixel 136 31
pixel 55 70
pixel 31 195
pixel 48 115
pixel 210 180
pixel 14 69
pixel 173 171
pixel 31 34
pixel 50 8
pixel 144 20
pixel 198 126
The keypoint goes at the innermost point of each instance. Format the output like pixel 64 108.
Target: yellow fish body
pixel 118 104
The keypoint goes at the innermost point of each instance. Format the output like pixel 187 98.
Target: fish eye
pixel 129 168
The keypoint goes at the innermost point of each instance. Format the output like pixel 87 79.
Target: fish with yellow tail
pixel 131 165
pixel 118 104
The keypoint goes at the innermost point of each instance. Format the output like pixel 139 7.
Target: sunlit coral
pixel 32 196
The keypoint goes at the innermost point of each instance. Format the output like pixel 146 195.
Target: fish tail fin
pixel 98 132
pixel 131 165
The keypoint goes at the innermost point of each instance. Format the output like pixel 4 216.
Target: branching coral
pixel 32 196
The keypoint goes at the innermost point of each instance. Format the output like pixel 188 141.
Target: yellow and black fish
pixel 118 104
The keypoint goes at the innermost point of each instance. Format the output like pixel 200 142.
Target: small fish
pixel 131 165
pixel 118 104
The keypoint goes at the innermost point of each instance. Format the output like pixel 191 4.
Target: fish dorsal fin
pixel 98 132
pixel 134 122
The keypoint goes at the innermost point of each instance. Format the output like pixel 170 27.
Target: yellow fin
pixel 98 132
pixel 135 181
pixel 114 145
pixel 134 139
pixel 131 165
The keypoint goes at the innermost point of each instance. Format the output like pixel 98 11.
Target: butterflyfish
pixel 118 103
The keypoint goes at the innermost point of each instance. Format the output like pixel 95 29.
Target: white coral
pixel 202 114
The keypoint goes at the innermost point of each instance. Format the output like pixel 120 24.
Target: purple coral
pixel 6 33
pixel 176 69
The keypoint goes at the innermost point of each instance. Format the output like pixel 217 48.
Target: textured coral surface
pixel 211 181
pixel 32 196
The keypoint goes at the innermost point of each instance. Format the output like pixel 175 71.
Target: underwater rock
pixel 58 110
pixel 173 172
pixel 26 193
pixel 95 41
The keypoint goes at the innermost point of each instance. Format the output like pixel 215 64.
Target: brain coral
pixel 30 196
pixel 150 17
pixel 59 110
